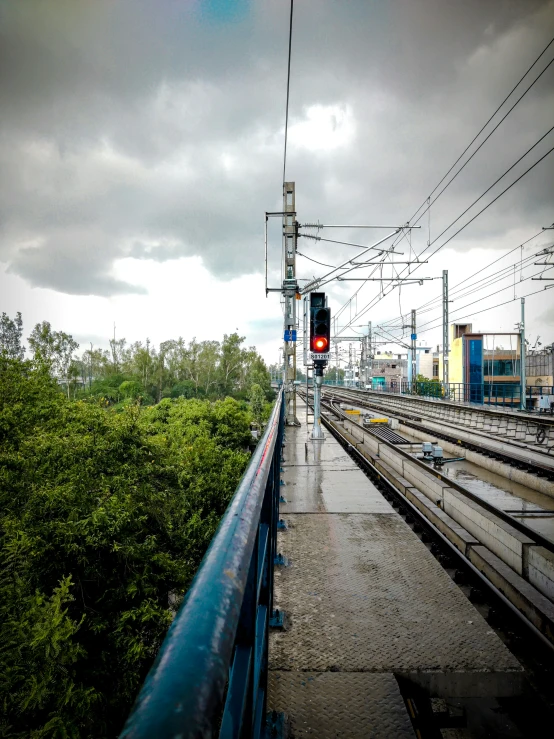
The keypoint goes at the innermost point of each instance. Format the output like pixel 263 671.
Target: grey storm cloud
pixel 154 130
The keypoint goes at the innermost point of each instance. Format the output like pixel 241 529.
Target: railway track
pixel 536 463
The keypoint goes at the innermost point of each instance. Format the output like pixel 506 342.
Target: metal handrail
pixel 210 675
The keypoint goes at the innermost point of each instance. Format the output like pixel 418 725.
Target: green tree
pixel 334 374
pixel 230 363
pixel 257 404
pixel 94 364
pixel 131 389
pixel 118 354
pixel 56 348
pixel 103 517
pixel 11 334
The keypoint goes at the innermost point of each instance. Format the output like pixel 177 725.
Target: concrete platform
pixel 348 705
pixel 366 601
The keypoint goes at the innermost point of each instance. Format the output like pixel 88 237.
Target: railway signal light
pixel 320 325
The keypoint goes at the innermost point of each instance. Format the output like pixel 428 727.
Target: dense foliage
pixel 141 371
pixel 206 369
pixel 105 513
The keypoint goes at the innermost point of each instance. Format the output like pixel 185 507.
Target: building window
pixel 501 367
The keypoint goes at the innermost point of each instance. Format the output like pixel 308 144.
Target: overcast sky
pixel 141 142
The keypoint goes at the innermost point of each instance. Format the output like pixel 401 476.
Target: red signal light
pixel 320 343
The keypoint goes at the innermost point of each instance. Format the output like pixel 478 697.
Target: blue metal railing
pixel 210 676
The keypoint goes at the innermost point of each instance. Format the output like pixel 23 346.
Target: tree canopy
pixel 107 506
pixel 140 370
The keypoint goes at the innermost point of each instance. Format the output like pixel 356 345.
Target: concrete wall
pixel 502 539
pixel 541 570
pixel 425 364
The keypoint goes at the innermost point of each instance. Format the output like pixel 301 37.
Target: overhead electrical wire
pixel 288 91
pixel 377 264
pixel 377 299
pixel 514 88
pixel 479 271
pixel 490 188
pixel 498 305
pixel 432 202
pixel 463 292
pixel 314 260
pixel 438 319
pixel 390 324
pixel 348 243
pixel 491 202
pixel 503 274
pixel 428 201
pixel 507 287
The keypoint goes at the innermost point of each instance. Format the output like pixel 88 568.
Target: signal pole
pixel 369 372
pixel 320 345
pixel 445 347
pixel 522 369
pixel 290 292
pixel 413 338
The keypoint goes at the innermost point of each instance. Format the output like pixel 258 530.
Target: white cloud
pixel 324 128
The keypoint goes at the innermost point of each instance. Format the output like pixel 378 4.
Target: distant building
pixel 424 362
pixel 476 359
pixel 539 367
pixel 388 369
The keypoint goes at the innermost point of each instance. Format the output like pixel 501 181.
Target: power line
pixel 485 125
pixel 288 90
pixel 498 305
pixel 479 271
pixel 348 243
pixel 485 297
pixel 491 202
pixel 427 200
pixel 505 273
pixel 378 298
pixel 314 260
pixel 490 279
pixel 482 143
pixel 489 188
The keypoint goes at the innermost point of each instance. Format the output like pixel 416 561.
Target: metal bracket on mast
pixel 290 292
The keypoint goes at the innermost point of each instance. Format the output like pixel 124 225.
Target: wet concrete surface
pixel 365 603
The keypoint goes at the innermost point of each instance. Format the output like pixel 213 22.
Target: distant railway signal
pixel 320 327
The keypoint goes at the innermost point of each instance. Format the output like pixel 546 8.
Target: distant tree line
pixel 108 501
pixel 140 370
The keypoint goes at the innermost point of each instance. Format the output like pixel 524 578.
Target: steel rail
pixel 515 457
pixel 547 420
pixel 209 678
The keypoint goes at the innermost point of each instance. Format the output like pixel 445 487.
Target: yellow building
pixel 485 366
